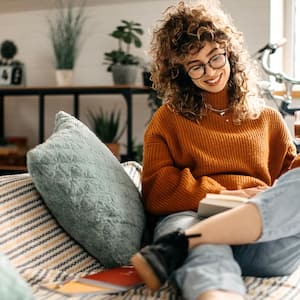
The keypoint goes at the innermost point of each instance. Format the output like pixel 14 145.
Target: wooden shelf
pixel 11 169
pixel 126 91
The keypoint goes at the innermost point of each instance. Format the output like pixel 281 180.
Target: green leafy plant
pixel 106 125
pixel 127 34
pixel 65 32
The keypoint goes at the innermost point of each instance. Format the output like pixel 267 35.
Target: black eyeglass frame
pixel 209 64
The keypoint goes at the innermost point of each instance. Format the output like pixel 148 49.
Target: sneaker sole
pixel 146 272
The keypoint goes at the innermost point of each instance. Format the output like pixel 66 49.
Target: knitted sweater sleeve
pixel 282 150
pixel 165 187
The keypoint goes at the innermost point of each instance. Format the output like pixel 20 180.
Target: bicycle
pixel 284 102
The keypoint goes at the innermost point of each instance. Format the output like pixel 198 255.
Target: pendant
pixel 220 112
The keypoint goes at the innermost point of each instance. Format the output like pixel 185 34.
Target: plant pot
pixel 147 79
pixel 124 74
pixel 64 77
pixel 114 148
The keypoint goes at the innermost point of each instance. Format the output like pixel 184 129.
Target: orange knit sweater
pixel 184 160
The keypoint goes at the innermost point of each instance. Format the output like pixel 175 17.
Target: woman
pixel 215 135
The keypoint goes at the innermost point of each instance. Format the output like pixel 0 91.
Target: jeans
pixel 220 267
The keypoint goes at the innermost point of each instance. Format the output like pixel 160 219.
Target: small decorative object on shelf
pixel 13 152
pixel 11 70
pixel 147 78
pixel 65 33
pixel 106 126
pixel 146 74
pixel 121 62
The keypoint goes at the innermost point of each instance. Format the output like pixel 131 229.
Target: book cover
pixel 107 281
pixel 215 203
pixel 124 277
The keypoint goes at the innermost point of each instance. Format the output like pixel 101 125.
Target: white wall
pixel 29 30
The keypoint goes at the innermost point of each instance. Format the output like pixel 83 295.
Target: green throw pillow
pixel 12 285
pixel 88 191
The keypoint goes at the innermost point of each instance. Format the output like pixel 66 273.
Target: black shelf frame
pixel 127 91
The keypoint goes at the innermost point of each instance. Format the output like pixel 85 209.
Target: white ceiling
pixel 9 6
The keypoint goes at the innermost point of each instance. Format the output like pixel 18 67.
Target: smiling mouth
pixel 214 81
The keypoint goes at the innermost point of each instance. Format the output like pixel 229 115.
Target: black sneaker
pixel 156 262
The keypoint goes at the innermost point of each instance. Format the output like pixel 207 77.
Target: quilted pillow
pixel 12 285
pixel 88 191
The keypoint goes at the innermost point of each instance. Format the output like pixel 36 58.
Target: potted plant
pixel 8 51
pixel 107 127
pixel 121 62
pixel 146 74
pixel 65 33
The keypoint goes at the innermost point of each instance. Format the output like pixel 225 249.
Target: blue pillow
pixel 88 191
pixel 12 285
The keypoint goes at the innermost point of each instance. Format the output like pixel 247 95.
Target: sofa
pixel 39 249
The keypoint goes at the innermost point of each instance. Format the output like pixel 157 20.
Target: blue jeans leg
pixel 279 207
pixel 276 258
pixel 277 251
pixel 207 267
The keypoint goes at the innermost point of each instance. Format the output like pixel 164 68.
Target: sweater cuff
pixel 212 186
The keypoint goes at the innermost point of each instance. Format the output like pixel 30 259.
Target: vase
pixel 64 77
pixel 147 79
pixel 114 148
pixel 124 74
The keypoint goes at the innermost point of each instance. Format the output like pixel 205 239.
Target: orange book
pixel 107 281
pixel 124 277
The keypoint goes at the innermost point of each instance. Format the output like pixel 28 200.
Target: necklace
pixel 221 112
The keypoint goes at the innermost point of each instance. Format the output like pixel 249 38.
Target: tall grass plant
pixel 65 30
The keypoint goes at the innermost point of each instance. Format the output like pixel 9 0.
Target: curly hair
pixel 183 31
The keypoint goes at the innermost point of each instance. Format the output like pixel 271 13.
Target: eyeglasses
pixel 216 62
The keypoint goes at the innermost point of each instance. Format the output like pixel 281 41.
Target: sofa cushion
pixel 39 248
pixel 88 191
pixel 12 285
pixel 35 244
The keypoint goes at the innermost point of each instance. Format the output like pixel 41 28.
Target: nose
pixel 208 70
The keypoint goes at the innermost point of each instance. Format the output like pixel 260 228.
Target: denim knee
pixel 172 222
pixel 209 267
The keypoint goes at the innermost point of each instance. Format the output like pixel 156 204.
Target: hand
pixel 247 193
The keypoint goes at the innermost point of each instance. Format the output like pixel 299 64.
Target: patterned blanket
pixel 44 253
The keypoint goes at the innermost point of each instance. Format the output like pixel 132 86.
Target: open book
pixel 215 203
